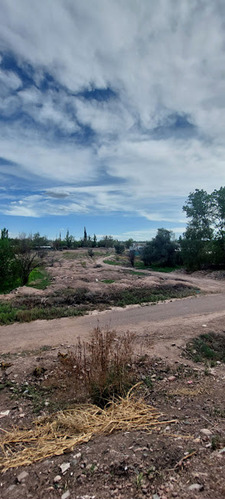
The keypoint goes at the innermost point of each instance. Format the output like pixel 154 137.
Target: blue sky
pixel 111 112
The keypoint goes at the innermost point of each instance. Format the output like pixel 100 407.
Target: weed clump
pixel 207 347
pixel 101 366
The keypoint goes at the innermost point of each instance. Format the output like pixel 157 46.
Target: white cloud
pixel 161 58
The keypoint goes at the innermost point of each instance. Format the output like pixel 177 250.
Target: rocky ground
pixel 181 459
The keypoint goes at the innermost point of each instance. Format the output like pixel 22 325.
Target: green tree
pixel 161 251
pixel 4 234
pixel 25 259
pixel 119 247
pixel 197 243
pixel 39 241
pixel 9 276
pixel 69 239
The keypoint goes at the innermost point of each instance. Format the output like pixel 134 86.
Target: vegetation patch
pixel 39 278
pixel 207 347
pixel 9 313
pixel 99 369
pixel 114 262
pixel 108 281
pixel 76 302
pixel 149 295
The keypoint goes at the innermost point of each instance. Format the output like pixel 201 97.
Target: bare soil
pixel 182 460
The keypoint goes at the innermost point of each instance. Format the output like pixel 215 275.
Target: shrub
pixel 102 365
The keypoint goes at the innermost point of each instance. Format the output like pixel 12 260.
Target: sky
pixel 111 113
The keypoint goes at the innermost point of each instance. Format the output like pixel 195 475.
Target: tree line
pixel 201 246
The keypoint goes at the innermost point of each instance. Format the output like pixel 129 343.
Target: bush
pixel 102 365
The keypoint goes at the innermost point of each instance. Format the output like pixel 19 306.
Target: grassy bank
pixel 76 302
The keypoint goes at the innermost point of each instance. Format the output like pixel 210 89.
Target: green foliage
pixel 132 256
pixel 203 244
pixel 161 251
pixel 206 347
pixel 9 272
pixel 22 314
pixel 106 242
pixel 119 247
pixel 39 278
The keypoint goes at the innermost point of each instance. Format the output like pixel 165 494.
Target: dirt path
pixel 156 326
pixel 198 280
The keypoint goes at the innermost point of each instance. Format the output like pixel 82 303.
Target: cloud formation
pixel 110 107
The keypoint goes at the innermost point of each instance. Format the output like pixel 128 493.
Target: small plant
pixel 90 253
pixel 208 348
pixel 39 278
pixel 101 365
pixel 148 382
pixel 139 479
pixel 216 442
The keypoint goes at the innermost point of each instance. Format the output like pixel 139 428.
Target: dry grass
pixel 62 431
pixel 101 367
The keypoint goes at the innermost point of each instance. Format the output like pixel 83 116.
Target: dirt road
pixel 157 326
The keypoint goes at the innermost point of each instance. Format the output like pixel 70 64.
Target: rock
pixel 76 458
pixel 57 479
pixel 22 476
pixel 64 467
pixel 11 487
pixel 196 487
pixel 171 378
pixel 221 451
pixel 206 432
pixel 4 413
pixel 66 494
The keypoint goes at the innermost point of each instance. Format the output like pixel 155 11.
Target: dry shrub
pixel 102 366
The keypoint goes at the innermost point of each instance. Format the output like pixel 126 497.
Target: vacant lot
pixel 178 358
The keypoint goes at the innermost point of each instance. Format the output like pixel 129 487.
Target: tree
pixel 9 276
pixel 199 210
pixel 196 245
pixel 94 242
pixel 132 256
pixel 119 247
pixel 218 205
pixel 25 259
pixel 106 242
pixel 69 239
pixel 39 241
pixel 128 243
pixel 161 250
pixel 4 234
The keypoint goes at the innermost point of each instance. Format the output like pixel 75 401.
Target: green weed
pixel 209 347
pixel 39 278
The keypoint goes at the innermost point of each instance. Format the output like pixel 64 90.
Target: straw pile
pixel 63 430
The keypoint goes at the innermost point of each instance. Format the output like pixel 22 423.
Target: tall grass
pixel 102 365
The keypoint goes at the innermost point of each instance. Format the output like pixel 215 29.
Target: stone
pixel 57 479
pixel 22 476
pixel 4 413
pixel 66 494
pixel 64 467
pixel 171 378
pixel 205 432
pixel 196 487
